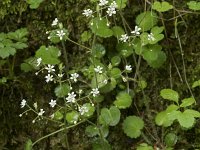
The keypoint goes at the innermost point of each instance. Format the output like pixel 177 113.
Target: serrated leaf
pixel 7 51
pixel 186 119
pixel 49 55
pixel 98 51
pixel 132 126
pixel 169 94
pixel 187 102
pixel 194 5
pixel 72 117
pixel 100 28
pixel 58 115
pixel 115 61
pixel 20 45
pixel 110 116
pixel 196 83
pixel 19 35
pixel 192 112
pixel 118 31
pixel 170 139
pixel 91 131
pixel 62 90
pixel 123 100
pixel 146 20
pixel 161 6
pixel 144 146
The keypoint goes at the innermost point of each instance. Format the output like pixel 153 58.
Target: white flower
pixel 52 103
pixel 128 67
pixel 55 22
pixel 74 76
pixel 60 75
pixel 124 38
pixel 83 110
pixel 151 37
pixel 41 112
pixel 60 33
pixel 20 115
pixel 23 103
pixel 136 31
pixel 95 92
pixel 113 5
pixel 87 12
pixel 50 68
pixel 80 91
pixel 49 78
pixel 98 69
pixel 71 97
pixel 52 116
pixel 35 105
pixel 111 11
pixel 39 60
pixel 103 2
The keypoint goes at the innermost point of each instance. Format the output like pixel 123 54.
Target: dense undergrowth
pixel 99 74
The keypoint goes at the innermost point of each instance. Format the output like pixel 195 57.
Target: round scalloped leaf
pixel 98 51
pixel 187 102
pixel 152 53
pixel 99 80
pixel 110 116
pixel 118 31
pixel 196 83
pixel 109 86
pixel 115 61
pixel 72 117
pixel 161 6
pixel 115 73
pixel 170 139
pixel 169 94
pixel 125 49
pixel 28 145
pixel 194 5
pixel 91 131
pixel 62 90
pixel 132 126
pixel 121 3
pixel 146 20
pixel 54 38
pixel 100 28
pixel 34 3
pixel 85 36
pixel 123 100
pixel 89 109
pixel 186 119
pixel 49 55
pixel 159 61
pixel 194 113
pixel 58 115
pixel 144 146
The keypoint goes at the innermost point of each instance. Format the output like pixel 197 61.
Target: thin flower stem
pixel 79 44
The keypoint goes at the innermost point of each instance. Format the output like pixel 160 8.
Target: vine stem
pixel 62 129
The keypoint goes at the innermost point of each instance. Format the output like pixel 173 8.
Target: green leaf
pixel 115 61
pixel 26 67
pixel 28 145
pixel 115 73
pixel 152 53
pixel 62 90
pixel 125 49
pixel 159 61
pixel 142 84
pixel 162 119
pixel 187 102
pixel 98 51
pixel 110 116
pixel 99 80
pixel 121 3
pixel 34 3
pixel 54 38
pixel 144 146
pixel 157 30
pixel 72 117
pixel 100 144
pixel 20 45
pixel 49 54
pixel 194 5
pixel 85 36
pixel 88 109
pixel 169 94
pixel 171 139
pixel 196 83
pixel 100 28
pixel 91 131
pixel 58 115
pixel 123 100
pixel 117 31
pixel 146 20
pixel 7 51
pixel 161 6
pixel 192 112
pixel 109 86
pixel 19 35
pixel 186 119
pixel 132 126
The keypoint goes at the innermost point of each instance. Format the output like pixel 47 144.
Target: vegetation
pixel 99 74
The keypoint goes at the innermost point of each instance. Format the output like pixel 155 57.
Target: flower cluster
pixel 71 97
